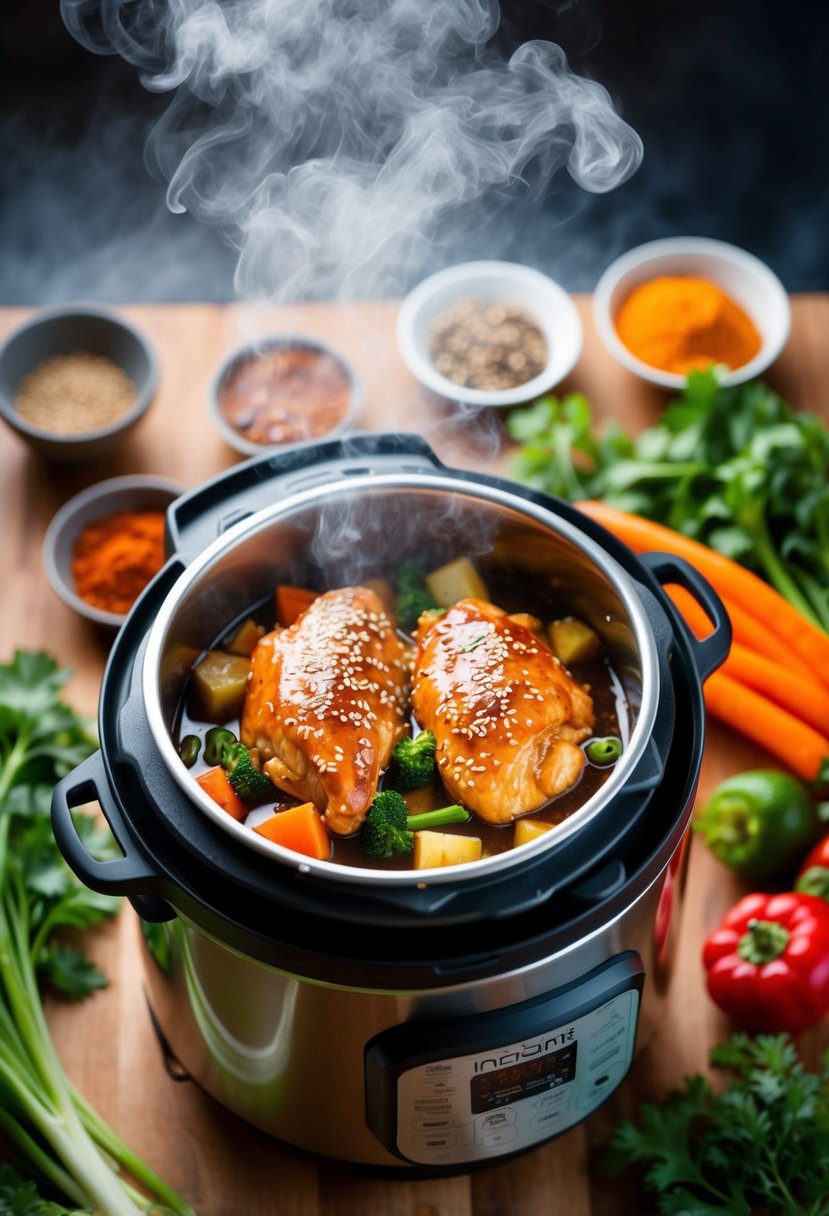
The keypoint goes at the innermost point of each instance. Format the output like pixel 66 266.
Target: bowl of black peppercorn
pixel 489 333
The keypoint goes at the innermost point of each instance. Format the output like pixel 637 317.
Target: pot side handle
pixel 132 874
pixel 710 652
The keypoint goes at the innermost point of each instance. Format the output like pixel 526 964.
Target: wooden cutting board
pixel 222 1166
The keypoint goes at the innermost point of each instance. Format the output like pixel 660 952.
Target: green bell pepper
pixel 759 823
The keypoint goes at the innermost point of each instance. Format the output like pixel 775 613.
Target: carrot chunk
pixel 291 602
pixel 300 829
pixel 216 783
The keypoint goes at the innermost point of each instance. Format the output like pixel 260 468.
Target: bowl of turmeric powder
pixel 672 306
pixel 105 545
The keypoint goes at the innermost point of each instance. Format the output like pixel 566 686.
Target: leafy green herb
pixel 20 1198
pixel 762 1145
pixel 735 468
pixel 49 1124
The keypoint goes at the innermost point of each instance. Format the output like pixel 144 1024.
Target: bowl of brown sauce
pixel 284 390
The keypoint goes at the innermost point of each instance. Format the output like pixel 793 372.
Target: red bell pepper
pixel 813 875
pixel 768 963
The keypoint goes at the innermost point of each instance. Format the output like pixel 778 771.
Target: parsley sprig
pixel 735 468
pixel 761 1145
pixel 50 1125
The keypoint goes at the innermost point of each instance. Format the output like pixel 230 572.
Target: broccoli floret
pixel 218 743
pixel 410 607
pixel 222 747
pixel 249 783
pixel 411 576
pixel 413 598
pixel 413 761
pixel 388 827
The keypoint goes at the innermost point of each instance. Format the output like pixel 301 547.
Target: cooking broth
pixel 612 716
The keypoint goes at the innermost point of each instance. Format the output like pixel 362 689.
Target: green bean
pixel 604 751
pixel 189 749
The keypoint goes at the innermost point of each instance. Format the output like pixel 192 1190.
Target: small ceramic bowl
pixel 63 331
pixel 308 416
pixel 136 492
pixel 544 301
pixel 741 275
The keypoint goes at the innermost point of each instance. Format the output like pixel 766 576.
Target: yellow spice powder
pixel 678 323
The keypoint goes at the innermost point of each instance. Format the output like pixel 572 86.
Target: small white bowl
pixel 549 305
pixel 135 492
pixel 741 275
pixel 249 447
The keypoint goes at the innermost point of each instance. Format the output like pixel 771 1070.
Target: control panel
pixel 453 1093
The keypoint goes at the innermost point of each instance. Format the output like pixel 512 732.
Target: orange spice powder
pixel 115 558
pixel 678 323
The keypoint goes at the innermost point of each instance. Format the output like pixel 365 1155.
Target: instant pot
pixel 432 1019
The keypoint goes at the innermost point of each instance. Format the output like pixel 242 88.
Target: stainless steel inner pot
pixel 350 529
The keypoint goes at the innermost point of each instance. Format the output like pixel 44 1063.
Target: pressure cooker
pixel 431 1020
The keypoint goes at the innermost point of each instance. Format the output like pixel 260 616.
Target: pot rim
pixel 351 485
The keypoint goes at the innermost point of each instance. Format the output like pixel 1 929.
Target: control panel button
pixel 438 1140
pixel 432 1125
pixel 504 1135
pixel 498 1118
pixel 547 1119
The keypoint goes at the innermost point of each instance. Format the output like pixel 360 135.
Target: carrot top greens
pixel 735 468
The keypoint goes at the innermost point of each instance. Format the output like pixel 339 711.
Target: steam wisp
pixel 347 147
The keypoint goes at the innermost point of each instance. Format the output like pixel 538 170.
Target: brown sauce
pixel 285 395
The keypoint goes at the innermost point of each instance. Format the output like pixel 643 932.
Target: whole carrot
pixel 731 580
pixel 802 749
pixel 747 631
pixel 802 696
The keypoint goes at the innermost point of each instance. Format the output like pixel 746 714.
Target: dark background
pixel 730 100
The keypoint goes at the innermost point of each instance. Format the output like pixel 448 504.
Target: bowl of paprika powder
pixel 675 305
pixel 106 544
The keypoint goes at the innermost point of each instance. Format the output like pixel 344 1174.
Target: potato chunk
pixel 457 580
pixel 218 688
pixel 529 829
pixel 573 640
pixel 444 849
pixel 245 638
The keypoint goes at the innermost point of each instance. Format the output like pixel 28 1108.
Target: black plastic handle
pixel 132 874
pixel 710 652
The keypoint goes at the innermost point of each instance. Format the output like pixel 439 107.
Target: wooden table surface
pixel 223 1167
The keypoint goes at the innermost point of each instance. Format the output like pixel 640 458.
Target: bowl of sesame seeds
pixel 74 381
pixel 489 333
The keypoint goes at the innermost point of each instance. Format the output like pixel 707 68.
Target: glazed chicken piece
pixel 506 715
pixel 327 701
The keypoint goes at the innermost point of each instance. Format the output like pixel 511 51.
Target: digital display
pixel 499 1086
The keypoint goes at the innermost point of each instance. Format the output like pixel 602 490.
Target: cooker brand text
pixel 526 1051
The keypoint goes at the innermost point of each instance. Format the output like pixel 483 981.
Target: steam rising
pixel 346 146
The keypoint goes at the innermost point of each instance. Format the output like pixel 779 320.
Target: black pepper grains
pixel 485 344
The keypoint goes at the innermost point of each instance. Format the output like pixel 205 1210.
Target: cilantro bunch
pixel 735 468
pixel 762 1145
pixel 48 1123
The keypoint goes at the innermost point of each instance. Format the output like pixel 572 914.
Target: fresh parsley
pixel 736 468
pixel 761 1145
pixel 43 906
